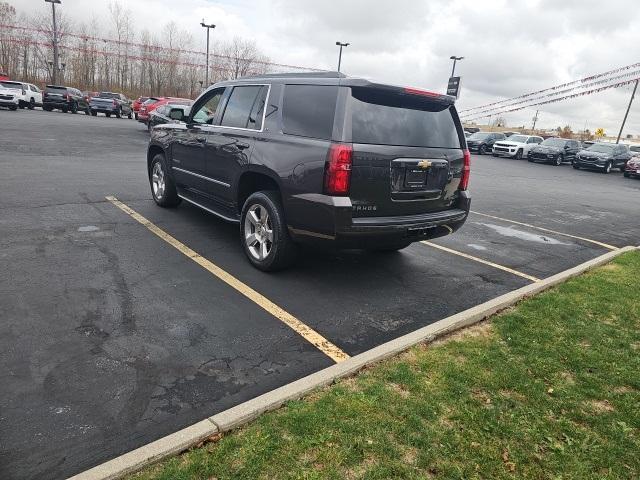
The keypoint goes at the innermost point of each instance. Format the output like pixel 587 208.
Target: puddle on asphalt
pixel 529 237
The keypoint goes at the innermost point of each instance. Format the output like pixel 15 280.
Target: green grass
pixel 548 389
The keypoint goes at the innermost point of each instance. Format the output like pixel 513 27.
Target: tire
pixel 64 109
pixel 494 154
pixel 482 150
pixel 559 161
pixel 519 154
pixel 129 116
pixel 392 247
pixel 118 113
pixel 108 114
pixel 576 166
pixel 530 160
pixel 47 109
pixel 74 108
pixel 263 217
pixel 94 113
pixel 21 105
pixel 163 189
pixel 32 104
pixel 13 107
pixel 607 168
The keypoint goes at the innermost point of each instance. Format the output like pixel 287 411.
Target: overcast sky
pixel 510 48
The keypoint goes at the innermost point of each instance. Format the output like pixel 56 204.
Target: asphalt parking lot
pixel 111 338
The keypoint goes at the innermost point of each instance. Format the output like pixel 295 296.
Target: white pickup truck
pixel 515 146
pixel 28 95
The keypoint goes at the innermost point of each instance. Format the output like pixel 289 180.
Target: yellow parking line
pixel 485 262
pixel 313 337
pixel 605 245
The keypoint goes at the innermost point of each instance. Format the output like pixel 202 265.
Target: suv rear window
pixel 8 84
pixel 56 89
pixel 389 119
pixel 308 110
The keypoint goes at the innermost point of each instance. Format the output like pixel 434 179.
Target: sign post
pixel 453 87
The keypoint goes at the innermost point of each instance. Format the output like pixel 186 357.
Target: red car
pixel 153 103
pixel 4 76
pixel 137 104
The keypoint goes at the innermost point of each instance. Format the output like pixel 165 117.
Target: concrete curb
pixel 247 411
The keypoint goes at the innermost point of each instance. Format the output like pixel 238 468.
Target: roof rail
pixel 298 75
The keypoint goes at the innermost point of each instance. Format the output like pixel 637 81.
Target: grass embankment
pixel 549 389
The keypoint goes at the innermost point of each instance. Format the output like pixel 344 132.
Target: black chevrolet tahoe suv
pixel 316 158
pixel 67 99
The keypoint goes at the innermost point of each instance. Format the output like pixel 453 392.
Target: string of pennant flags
pixel 566 97
pixel 554 90
pixel 484 112
pixel 143 46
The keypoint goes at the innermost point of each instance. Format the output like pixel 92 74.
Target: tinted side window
pixel 205 110
pixel 308 110
pixel 240 106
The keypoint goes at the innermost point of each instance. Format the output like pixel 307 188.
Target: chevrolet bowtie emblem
pixel 424 164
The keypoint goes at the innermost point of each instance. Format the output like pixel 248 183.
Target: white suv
pixel 10 95
pixel 28 95
pixel 516 146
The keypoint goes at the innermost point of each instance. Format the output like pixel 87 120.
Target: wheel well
pixel 252 182
pixel 153 151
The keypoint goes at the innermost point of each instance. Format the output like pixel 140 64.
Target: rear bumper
pixel 334 224
pixel 62 104
pixel 103 108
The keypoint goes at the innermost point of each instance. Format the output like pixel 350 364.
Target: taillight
pixel 337 173
pixel 424 93
pixel 466 170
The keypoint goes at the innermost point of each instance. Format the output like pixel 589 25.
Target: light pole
pixel 455 59
pixel 340 54
pixel 208 27
pixel 633 94
pixel 54 73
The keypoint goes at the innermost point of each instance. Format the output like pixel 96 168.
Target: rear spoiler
pixel 435 97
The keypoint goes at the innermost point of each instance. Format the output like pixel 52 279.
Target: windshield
pixel 56 89
pixel 150 101
pixel 479 136
pixel 518 138
pixel 108 95
pixel 601 148
pixel 553 142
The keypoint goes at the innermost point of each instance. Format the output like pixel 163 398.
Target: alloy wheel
pixel 157 180
pixel 258 232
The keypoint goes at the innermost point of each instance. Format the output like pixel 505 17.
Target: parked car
pixel 3 76
pixel 316 158
pixel 10 95
pixel 89 95
pixel 482 142
pixel 111 103
pixel 508 134
pixel 634 150
pixel 29 96
pixel 587 143
pixel 137 103
pixel 515 146
pixel 67 99
pixel 471 129
pixel 148 107
pixel 632 168
pixel 167 114
pixel 555 150
pixel 603 157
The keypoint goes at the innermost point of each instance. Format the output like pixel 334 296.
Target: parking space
pixel 113 335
